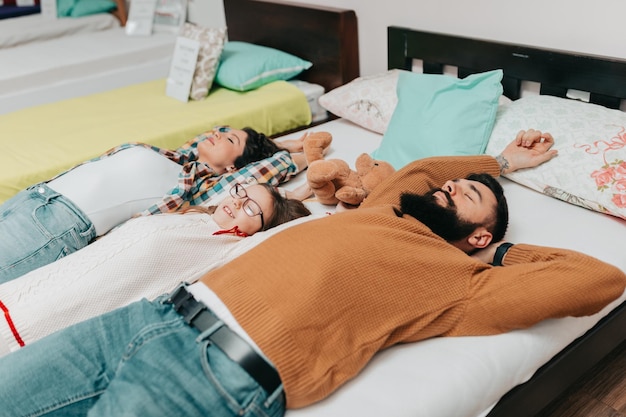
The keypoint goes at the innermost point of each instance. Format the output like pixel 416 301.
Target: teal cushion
pixel 79 8
pixel 439 115
pixel 89 7
pixel 64 7
pixel 245 66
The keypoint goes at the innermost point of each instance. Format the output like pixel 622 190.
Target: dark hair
pixel 258 146
pixel 499 221
pixel 284 210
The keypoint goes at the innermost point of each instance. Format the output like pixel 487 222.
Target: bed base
pixel 326 36
pixel 557 72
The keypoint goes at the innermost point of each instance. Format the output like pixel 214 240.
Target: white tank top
pixel 111 190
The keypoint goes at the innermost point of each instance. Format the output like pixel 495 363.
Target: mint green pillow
pixel 79 8
pixel 89 7
pixel 246 66
pixel 64 7
pixel 439 115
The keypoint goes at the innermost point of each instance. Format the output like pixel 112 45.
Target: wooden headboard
pixel 557 71
pixel 325 36
pixel 120 11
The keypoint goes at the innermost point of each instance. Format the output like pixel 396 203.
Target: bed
pixel 47 60
pixel 39 142
pixel 517 373
pixel 12 9
pixel 37 27
pixel 84 63
pixel 49 70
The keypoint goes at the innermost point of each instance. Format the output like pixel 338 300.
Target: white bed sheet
pixel 34 28
pixel 466 376
pixel 81 64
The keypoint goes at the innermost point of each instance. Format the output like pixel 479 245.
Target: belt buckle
pixel 179 297
pixel 186 305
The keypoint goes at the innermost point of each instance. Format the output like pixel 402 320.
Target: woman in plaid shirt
pixel 50 220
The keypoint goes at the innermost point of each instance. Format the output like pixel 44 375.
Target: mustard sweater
pixel 321 298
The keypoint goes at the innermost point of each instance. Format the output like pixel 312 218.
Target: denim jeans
pixel 37 227
pixel 140 360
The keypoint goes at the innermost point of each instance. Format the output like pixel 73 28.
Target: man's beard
pixel 443 221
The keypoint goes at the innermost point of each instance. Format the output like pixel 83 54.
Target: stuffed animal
pixel 333 181
pixel 316 145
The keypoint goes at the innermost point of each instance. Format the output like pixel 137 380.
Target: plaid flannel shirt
pixel 197 182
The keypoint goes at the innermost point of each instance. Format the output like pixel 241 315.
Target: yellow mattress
pixel 40 142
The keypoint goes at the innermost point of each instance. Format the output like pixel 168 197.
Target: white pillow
pixel 590 169
pixel 368 101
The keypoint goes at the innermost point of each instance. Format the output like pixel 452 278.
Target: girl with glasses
pixel 144 257
pixel 57 217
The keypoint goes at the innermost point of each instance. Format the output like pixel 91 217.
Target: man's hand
pixel 529 149
pixel 301 192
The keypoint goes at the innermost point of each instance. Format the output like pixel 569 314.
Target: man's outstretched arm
pixel 529 283
pixel 529 149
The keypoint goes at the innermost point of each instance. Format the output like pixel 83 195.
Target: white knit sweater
pixel 145 257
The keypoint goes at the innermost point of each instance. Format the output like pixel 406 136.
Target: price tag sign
pixel 182 68
pixel 48 9
pixel 140 17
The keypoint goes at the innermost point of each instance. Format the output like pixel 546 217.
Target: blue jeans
pixel 37 227
pixel 140 360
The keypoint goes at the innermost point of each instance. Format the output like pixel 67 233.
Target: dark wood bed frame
pixel 120 11
pixel 325 36
pixel 556 71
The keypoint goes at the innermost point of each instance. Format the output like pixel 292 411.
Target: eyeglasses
pixel 250 207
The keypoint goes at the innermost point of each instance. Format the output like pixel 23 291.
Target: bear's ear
pixel 364 164
pixel 379 171
pixel 315 145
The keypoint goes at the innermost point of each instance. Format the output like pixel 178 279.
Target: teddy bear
pixel 333 181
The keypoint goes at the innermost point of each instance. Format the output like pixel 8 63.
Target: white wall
pixel 207 13
pixel 587 26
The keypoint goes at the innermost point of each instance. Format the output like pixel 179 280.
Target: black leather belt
pixel 198 315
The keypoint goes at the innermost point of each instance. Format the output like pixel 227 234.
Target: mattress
pixel 312 92
pixel 466 376
pixel 81 64
pixel 51 71
pixel 34 28
pixel 39 142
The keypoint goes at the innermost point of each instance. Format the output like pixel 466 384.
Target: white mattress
pixel 466 376
pixel 34 28
pixel 87 63
pixel 81 64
